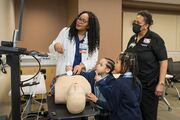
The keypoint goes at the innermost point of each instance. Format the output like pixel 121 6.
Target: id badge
pixel 83 50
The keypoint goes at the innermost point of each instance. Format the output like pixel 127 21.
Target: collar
pixel 145 36
pixel 105 80
pixel 128 75
pixel 78 40
pixel 103 76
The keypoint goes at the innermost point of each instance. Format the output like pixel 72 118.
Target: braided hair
pixel 110 64
pixel 129 63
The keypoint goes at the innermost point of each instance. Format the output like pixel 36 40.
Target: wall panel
pixel 42 21
pixel 109 13
pixel 178 34
pixel 165 26
pixel 7 24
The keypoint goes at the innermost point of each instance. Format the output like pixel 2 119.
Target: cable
pixel 28 102
pixel 34 52
pixel 41 103
pixel 22 91
pixel 53 84
pixel 2 66
pixel 32 115
pixel 39 64
pixel 21 83
pixel 52 87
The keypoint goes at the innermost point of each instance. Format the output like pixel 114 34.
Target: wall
pixel 6 20
pixel 109 14
pixel 42 21
pixel 72 10
pixel 5 87
pixel 7 26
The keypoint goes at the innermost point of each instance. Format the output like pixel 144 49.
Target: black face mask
pixel 136 28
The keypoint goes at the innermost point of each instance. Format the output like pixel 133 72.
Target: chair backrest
pixel 176 69
pixel 170 69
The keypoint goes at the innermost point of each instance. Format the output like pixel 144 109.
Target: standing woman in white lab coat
pixel 78 44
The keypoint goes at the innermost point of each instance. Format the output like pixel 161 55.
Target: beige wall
pixel 72 10
pixel 42 21
pixel 6 20
pixel 5 86
pixel 6 30
pixel 5 98
pixel 109 13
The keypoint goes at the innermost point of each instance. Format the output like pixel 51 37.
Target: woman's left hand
pixel 78 68
pixel 91 97
pixel 159 89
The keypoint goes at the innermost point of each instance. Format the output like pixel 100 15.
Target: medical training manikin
pixel 71 90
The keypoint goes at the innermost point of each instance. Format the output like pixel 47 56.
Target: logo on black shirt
pixel 132 45
pixel 146 40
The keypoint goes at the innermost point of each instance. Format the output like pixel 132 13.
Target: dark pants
pixel 149 103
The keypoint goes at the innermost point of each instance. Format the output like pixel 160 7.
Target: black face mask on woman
pixel 136 28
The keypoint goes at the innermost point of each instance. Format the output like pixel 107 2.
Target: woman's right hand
pixel 68 68
pixel 59 48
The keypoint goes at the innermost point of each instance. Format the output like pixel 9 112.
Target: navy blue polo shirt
pixel 77 57
pixel 126 98
pixel 150 51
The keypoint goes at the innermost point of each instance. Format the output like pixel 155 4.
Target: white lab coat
pixel 67 58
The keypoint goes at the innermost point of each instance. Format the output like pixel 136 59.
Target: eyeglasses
pixel 82 20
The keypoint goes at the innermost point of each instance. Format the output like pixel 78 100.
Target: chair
pixel 174 71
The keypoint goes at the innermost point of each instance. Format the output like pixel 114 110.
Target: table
pixel 60 112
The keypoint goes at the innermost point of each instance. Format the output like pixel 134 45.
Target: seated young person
pixel 101 81
pixel 126 91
